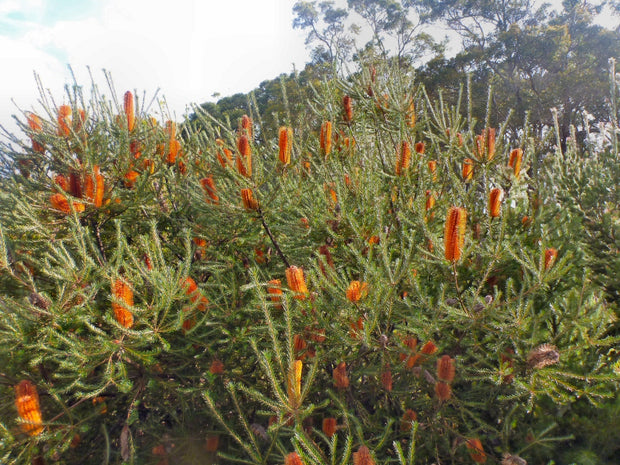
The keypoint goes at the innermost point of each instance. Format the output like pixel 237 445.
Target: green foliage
pixel 217 354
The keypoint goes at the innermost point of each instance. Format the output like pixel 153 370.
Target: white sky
pixel 188 48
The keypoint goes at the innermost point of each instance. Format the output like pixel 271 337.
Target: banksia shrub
pixel 305 303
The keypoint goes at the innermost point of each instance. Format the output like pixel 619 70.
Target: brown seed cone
pixel 285 144
pixel 296 282
pixel 244 158
pixel 129 110
pixel 122 292
pixel 404 159
pixel 209 187
pixel 341 380
pixel 326 138
pixel 249 202
pixel 64 120
pixel 476 451
pixel 454 234
pixel 443 391
pixel 363 457
pixel 468 169
pixel 329 426
pixel 347 104
pixel 445 369
pixel 28 408
pixel 544 355
pixel 495 202
pixel 516 156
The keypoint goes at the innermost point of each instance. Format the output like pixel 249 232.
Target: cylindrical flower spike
pixel 490 143
pixel 246 126
pixel 28 408
pixel 476 451
pixel 34 122
pixel 430 200
pixel 296 282
pixel 443 391
pixel 468 169
pixel 445 369
pixel 285 144
pixel 122 292
pixel 249 202
pixel 173 150
pixel 356 291
pixel 402 164
pixel 61 203
pixel 363 457
pixel 420 148
pixel 294 384
pixel 94 187
pixel 275 292
pixel 209 187
pixel 341 380
pixel 495 202
pixel 432 168
pixel 326 138
pixel 347 104
pixel 411 116
pixel 171 129
pixel 244 158
pixel 514 162
pixel 64 120
pixel 293 459
pixel 329 426
pixel 406 422
pixel 386 379
pixel 129 110
pixel 454 234
pixel 550 255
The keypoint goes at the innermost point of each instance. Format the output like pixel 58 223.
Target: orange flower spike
pixel 244 159
pixel 550 256
pixel 246 126
pixel 60 202
pixel 249 202
pixel 130 178
pixel 99 187
pixel 209 187
pixel 28 408
pixel 171 129
pixel 430 200
pixel 386 379
pixel 294 384
pixel 293 459
pixel 476 451
pixel 285 145
pixel 34 122
pixel 516 156
pixel 459 139
pixel 64 120
pixel 274 289
pixel 405 158
pixel 420 148
pixel 445 369
pixel 341 380
pixel 363 457
pixel 432 168
pixel 495 202
pixel 329 426
pixel 347 104
pixel 326 138
pixel 411 116
pixel 468 169
pixel 443 391
pixel 212 443
pixel 479 148
pixel 173 151
pixel 356 291
pixel 129 110
pixel 62 182
pixel 454 234
pixel 296 282
pixel 122 291
pixel 429 348
pixel 408 418
pixel 216 367
pixel 490 143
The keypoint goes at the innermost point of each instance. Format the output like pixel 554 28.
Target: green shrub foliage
pixel 150 322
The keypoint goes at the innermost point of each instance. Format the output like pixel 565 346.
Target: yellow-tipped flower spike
pixel 326 138
pixel 285 144
pixel 244 158
pixel 514 162
pixel 294 384
pixel 122 292
pixel 249 202
pixel 296 282
pixel 28 408
pixel 402 164
pixel 454 234
pixel 468 169
pixel 495 202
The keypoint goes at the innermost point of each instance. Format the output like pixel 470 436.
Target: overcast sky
pixel 190 49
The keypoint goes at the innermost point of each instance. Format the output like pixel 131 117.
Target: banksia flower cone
pixel 543 356
pixel 244 159
pixel 122 292
pixel 468 169
pixel 28 409
pixel 347 104
pixel 514 162
pixel 293 459
pixel 404 158
pixel 285 144
pixel 356 291
pixel 34 122
pixel 246 126
pixel 129 110
pixel 326 138
pixel 64 120
pixel 296 282
pixel 443 391
pixel 275 292
pixel 476 452
pixel 495 202
pixel 408 418
pixel 420 148
pixel 329 426
pixel 454 234
pixel 294 384
pixel 490 143
pixel 94 187
pixel 363 457
pixel 61 203
pixel 411 117
pixel 249 202
pixel 445 369
pixel 341 380
pixel 550 255
pixel 209 187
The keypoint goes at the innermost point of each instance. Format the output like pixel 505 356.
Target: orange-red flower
pixel 432 168
pixel 443 391
pixel 244 158
pixel 326 138
pixel 28 408
pixel 209 187
pixel 411 117
pixel 293 384
pixel 356 291
pixel 516 156
pixel 404 159
pixel 285 144
pixel 216 367
pixel 59 202
pixel 550 256
pixel 363 457
pixel 94 187
pixel 121 291
pixel 430 200
pixel 420 148
pixel 293 459
pixel 275 292
pixel 347 104
pixel 386 379
pixel 454 234
pixel 246 126
pixel 329 426
pixel 445 369
pixel 249 202
pixel 341 380
pixel 34 122
pixel 173 150
pixel 429 348
pixel 468 169
pixel 129 110
pixel 130 178
pixel 495 202
pixel 476 451
pixel 64 120
pixel 407 420
pixel 296 282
